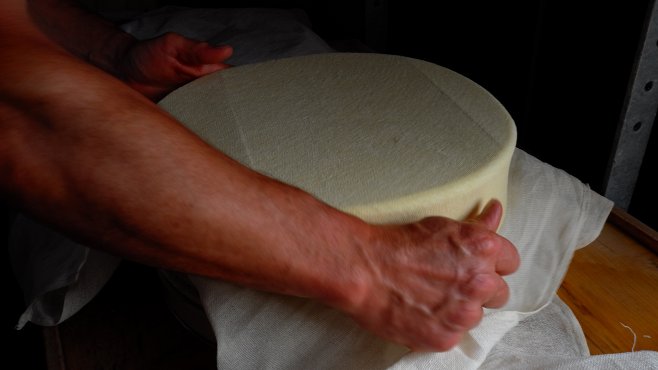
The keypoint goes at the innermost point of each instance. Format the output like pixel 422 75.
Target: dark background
pixel 561 68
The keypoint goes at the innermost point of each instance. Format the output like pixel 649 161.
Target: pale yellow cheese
pixel 386 138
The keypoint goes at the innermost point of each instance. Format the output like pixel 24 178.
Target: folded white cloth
pixel 57 275
pixel 549 215
pixel 552 339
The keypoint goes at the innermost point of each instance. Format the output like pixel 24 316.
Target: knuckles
pixel 458 258
pixel 480 287
pixel 479 241
pixel 444 342
pixel 462 317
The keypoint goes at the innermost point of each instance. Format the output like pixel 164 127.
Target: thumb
pixel 204 53
pixel 491 215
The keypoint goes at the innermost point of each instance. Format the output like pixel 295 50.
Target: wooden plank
pixel 612 288
pixel 645 235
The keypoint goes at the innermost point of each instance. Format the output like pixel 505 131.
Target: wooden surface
pixel 630 225
pixel 611 283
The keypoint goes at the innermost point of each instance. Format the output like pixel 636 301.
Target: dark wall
pixel 561 69
pixel 335 19
pixel 24 347
pixel 645 199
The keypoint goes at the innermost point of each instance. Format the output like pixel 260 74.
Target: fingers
pixel 491 215
pixel 500 296
pixel 203 53
pixel 205 69
pixel 478 259
pixel 488 290
pixel 194 53
pixel 465 313
pixel 157 66
pixel 194 57
pixel 492 289
pixel 463 316
pixel 200 59
pixel 508 257
pixel 440 342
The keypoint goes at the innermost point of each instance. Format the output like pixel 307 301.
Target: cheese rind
pixel 387 138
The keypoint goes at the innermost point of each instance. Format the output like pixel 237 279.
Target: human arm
pixel 153 67
pixel 103 164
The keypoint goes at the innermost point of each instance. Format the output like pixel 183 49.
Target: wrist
pixel 347 283
pixel 110 53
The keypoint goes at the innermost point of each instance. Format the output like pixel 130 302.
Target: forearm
pixel 82 33
pixel 85 153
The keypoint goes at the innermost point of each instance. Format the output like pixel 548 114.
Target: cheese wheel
pixel 389 139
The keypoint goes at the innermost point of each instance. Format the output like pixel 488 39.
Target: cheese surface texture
pixel 386 138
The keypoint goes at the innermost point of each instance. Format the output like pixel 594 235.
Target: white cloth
pixel 57 275
pixel 549 214
pixel 553 339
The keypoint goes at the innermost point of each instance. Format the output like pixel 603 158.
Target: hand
pixel 158 66
pixel 429 281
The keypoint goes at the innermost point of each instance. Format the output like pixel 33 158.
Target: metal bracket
pixel 638 114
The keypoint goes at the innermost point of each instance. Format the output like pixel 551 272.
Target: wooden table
pixel 612 287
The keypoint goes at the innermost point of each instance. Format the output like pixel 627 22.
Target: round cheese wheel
pixel 387 138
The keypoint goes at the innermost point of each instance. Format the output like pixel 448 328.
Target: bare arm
pixel 152 67
pixel 99 161
pixel 113 165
